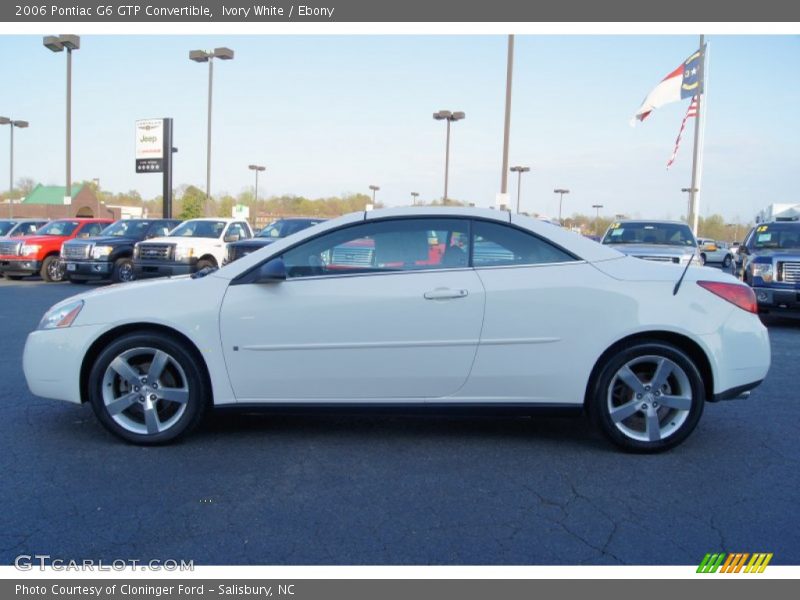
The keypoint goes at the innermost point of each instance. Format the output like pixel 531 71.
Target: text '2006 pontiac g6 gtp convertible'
pixel 424 308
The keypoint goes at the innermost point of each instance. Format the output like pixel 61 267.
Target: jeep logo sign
pixel 150 146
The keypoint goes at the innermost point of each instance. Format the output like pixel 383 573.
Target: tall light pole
pixel 257 169
pixel 414 196
pixel 519 171
pixel 450 117
pixel 202 56
pixel 59 43
pixel 21 125
pixel 691 191
pixel 560 191
pixel 597 208
pixel 507 121
pixel 374 189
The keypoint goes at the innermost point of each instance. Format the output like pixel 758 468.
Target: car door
pixel 363 314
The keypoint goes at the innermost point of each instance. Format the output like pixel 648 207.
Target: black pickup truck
pixel 110 254
pixel 273 232
pixel 771 266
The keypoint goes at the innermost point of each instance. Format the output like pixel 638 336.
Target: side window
pixel 25 229
pixel 237 229
pixel 91 230
pixel 498 245
pixel 158 230
pixel 383 246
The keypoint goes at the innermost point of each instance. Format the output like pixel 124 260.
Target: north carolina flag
pixel 683 82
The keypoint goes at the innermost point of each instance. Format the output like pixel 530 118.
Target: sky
pixel 334 114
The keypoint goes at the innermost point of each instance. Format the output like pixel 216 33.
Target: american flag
pixel 690 112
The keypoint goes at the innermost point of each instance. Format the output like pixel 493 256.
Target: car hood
pixel 43 239
pixel 105 239
pixel 777 253
pixel 254 242
pixel 653 249
pixel 179 240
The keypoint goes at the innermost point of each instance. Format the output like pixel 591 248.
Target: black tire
pixel 183 371
pixel 123 271
pixel 703 258
pixel 726 262
pixel 204 263
pixel 52 270
pixel 610 392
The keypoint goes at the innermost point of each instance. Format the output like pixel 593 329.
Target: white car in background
pixel 714 252
pixel 437 308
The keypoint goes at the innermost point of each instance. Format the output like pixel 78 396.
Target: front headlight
pixel 101 251
pixel 763 270
pixel 29 249
pixel 136 250
pixel 61 316
pixel 183 253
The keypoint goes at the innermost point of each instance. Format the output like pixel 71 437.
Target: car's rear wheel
pixel 648 397
pixel 147 388
pixel 703 259
pixel 726 262
pixel 53 270
pixel 206 263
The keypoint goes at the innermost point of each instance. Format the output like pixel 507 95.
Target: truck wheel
pixel 147 388
pixel 726 262
pixel 204 263
pixel 123 271
pixel 52 270
pixel 648 397
pixel 703 259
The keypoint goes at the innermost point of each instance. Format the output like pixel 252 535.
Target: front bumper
pixel 88 269
pixel 162 268
pixel 777 299
pixel 20 266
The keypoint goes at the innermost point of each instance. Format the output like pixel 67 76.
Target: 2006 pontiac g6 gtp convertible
pixel 439 308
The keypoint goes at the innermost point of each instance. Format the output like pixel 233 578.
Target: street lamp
pixel 202 56
pixel 257 169
pixel 560 191
pixel 58 43
pixel 21 125
pixel 414 196
pixel 690 191
pixel 519 171
pixel 450 117
pixel 374 189
pixel 597 207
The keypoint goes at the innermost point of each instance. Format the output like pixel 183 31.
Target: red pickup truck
pixel 39 253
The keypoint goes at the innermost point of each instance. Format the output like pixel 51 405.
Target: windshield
pixel 127 229
pixel 283 227
pixel 201 229
pixel 6 226
pixel 59 228
pixel 663 234
pixel 786 235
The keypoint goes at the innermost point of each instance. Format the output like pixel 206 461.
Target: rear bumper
pixel 147 269
pixel 742 391
pixel 88 269
pixel 20 266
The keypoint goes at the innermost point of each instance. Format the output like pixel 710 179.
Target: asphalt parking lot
pixel 260 489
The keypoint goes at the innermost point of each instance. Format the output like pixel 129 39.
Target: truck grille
pixel 352 257
pixel 790 271
pixel 76 251
pixel 156 251
pixel 10 248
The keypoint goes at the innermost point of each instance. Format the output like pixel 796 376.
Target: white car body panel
pixel 375 338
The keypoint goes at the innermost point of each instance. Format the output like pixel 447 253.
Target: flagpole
pixel 694 198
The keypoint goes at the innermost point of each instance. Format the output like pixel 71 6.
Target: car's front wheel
pixel 727 261
pixel 147 388
pixel 648 397
pixel 53 270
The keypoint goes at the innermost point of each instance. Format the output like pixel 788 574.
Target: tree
pixel 192 202
pixel 225 206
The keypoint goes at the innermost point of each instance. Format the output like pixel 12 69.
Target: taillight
pixel 735 293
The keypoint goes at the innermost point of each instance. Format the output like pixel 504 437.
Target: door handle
pixel 445 294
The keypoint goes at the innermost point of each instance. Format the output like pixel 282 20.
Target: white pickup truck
pixel 192 246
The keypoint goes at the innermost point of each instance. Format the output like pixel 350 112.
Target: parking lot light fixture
pixel 561 192
pixel 257 169
pixel 414 196
pixel 690 191
pixel 59 43
pixel 519 171
pixel 450 117
pixel 374 189
pixel 597 208
pixel 22 125
pixel 201 56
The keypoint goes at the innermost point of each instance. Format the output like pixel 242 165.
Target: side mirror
pixel 743 249
pixel 231 237
pixel 273 271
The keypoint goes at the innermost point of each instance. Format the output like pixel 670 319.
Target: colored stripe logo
pixel 735 562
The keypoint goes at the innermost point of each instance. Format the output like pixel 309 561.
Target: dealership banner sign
pixel 150 146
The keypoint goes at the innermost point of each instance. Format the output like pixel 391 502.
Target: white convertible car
pixel 438 308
